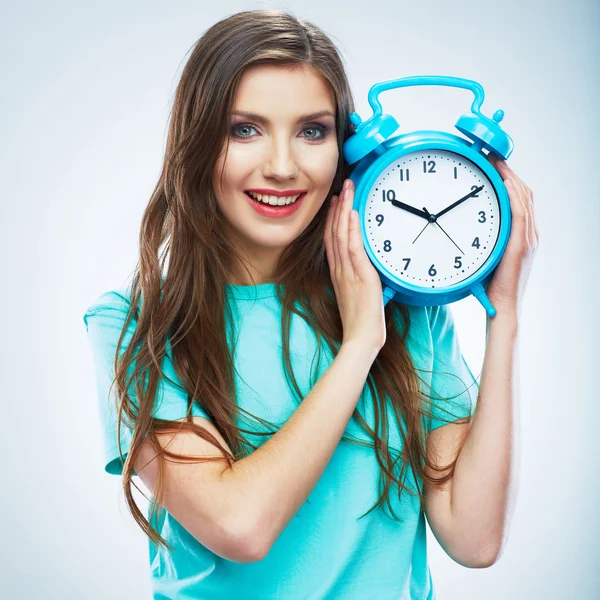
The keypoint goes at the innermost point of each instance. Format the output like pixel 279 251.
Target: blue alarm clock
pixel 434 213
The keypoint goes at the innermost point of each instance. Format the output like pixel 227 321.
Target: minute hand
pixel 448 208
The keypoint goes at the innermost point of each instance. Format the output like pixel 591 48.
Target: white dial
pixel 440 250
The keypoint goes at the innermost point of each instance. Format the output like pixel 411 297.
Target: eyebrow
pixel 265 121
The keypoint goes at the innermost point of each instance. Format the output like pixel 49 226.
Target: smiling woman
pixel 283 153
pixel 275 409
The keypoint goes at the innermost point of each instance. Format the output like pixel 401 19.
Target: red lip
pixel 278 193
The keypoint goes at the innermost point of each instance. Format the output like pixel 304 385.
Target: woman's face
pixel 283 151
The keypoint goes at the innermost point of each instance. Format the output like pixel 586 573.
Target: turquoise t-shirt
pixel 325 552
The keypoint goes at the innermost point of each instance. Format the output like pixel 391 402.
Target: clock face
pixel 408 233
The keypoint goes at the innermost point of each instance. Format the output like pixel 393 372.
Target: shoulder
pixel 115 303
pixel 107 325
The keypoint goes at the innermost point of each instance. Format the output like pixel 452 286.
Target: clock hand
pixel 443 212
pixel 409 208
pixel 435 221
pixel 422 230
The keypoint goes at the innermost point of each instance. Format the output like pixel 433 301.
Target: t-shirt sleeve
pixel 451 380
pixel 104 321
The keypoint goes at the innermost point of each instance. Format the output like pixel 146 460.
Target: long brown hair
pixel 183 218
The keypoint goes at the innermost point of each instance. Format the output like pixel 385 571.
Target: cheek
pixel 332 164
pixel 235 170
pixel 321 165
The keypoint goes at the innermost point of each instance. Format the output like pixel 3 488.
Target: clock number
pixel 402 174
pixel 431 166
pixel 379 219
pixel 388 195
pixel 474 187
pixel 457 262
pixel 481 213
pixel 475 243
pixel 455 172
pixel 432 271
pixel 387 245
pixel 407 263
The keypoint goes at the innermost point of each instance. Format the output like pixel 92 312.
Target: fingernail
pixel 332 201
pixel 346 184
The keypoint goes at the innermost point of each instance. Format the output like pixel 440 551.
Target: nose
pixel 280 162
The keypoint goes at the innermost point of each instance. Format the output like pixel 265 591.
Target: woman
pixel 320 427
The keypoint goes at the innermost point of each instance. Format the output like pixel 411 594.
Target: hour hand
pixel 412 209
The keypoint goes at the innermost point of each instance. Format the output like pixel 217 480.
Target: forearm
pixel 484 482
pixel 271 484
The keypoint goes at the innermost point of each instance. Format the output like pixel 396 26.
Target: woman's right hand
pixel 355 281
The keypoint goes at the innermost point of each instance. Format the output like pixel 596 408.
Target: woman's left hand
pixel 505 290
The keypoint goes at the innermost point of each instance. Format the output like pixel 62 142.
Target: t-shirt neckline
pixel 251 292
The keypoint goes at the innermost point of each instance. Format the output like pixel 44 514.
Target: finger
pixel 510 172
pixel 530 208
pixel 335 227
pixel 528 194
pixel 342 232
pixel 520 229
pixel 525 196
pixel 334 245
pixel 534 220
pixel 356 249
pixel 327 238
pixel 507 173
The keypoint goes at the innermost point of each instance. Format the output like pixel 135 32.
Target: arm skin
pixel 470 515
pixel 269 486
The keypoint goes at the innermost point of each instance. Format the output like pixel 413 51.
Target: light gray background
pixel 86 89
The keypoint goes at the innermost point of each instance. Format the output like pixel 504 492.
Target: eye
pixel 316 127
pixel 322 129
pixel 240 126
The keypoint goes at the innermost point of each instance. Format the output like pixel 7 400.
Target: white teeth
pixel 275 200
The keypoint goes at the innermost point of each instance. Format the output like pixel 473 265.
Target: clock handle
pixel 479 292
pixel 442 80
pixel 485 132
pixel 388 294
